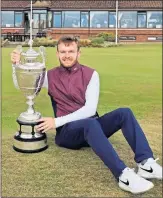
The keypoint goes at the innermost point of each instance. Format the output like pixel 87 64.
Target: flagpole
pixel 31 27
pixel 116 27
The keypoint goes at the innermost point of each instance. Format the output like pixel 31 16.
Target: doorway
pixel 39 22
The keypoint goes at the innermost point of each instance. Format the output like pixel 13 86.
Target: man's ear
pixel 57 54
pixel 79 53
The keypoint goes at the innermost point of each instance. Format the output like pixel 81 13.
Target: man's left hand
pixel 47 124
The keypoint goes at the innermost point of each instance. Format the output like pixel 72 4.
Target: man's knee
pixel 125 110
pixel 125 113
pixel 90 126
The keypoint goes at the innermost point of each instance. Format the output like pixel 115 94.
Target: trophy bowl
pixel 30 74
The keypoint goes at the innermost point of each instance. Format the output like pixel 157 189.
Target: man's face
pixel 68 54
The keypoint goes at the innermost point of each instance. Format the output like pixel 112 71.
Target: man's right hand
pixel 15 57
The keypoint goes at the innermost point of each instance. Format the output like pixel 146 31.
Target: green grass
pixel 130 76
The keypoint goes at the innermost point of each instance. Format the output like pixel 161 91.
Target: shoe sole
pixel 125 188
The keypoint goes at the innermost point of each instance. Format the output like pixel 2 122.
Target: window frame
pixel 14 17
pixel 97 27
pixel 82 11
pixel 119 23
pixel 147 19
pixel 109 18
pixel 54 11
pixel 47 19
pixel 71 11
pixel 16 12
pixel 145 12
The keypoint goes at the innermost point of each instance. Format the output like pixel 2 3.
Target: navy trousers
pixel 94 132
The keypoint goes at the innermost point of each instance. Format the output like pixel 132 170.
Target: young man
pixel 74 92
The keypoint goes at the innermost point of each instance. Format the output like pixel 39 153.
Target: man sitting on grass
pixel 74 92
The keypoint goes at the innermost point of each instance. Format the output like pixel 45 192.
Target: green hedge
pixel 46 42
pixel 101 40
pixel 107 36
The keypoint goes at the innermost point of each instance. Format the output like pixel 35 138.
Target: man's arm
pixel 90 107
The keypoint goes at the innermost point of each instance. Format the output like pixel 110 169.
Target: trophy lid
pixel 30 54
pixel 31 60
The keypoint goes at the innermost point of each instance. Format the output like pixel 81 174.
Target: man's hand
pixel 47 124
pixel 15 57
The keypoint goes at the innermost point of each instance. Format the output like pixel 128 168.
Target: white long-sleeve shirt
pixel 91 97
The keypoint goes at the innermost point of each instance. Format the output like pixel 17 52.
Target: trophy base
pixel 27 140
pixel 29 118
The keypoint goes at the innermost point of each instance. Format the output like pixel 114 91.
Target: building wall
pixel 12 30
pixel 140 34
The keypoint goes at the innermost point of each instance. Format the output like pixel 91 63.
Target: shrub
pixel 46 42
pixel 85 43
pixel 97 40
pixel 107 36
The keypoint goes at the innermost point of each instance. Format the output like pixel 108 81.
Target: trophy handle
pixel 42 52
pixel 14 77
pixel 14 66
pixel 39 83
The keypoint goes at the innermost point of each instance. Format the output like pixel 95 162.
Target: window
pixel 39 11
pixel 18 19
pixel 36 21
pixel 84 19
pixel 71 19
pixel 49 19
pixel 112 19
pixel 154 19
pixel 99 19
pixel 127 19
pixel 27 15
pixel 142 19
pixel 42 21
pixel 7 19
pixel 57 19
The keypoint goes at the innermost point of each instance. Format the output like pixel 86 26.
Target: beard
pixel 69 64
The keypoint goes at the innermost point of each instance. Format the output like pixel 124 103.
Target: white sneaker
pixel 150 170
pixel 130 181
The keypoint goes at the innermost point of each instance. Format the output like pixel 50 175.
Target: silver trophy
pixel 30 74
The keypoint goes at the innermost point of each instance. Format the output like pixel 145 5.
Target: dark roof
pixel 13 4
pixel 83 4
pixel 140 4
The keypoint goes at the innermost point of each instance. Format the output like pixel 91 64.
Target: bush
pixel 85 43
pixel 97 40
pixel 92 42
pixel 46 42
pixel 107 36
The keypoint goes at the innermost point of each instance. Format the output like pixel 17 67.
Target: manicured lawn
pixel 130 76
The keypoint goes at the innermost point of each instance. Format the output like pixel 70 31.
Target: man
pixel 74 92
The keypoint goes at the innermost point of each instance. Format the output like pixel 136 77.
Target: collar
pixel 71 69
